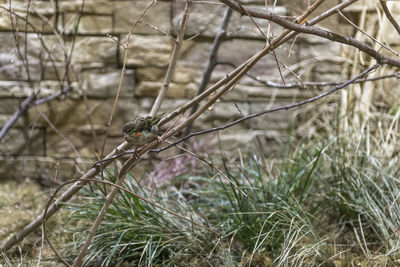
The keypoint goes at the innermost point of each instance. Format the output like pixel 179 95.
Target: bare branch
pixel 305 28
pixel 368 35
pixel 119 187
pixel 389 16
pixel 112 194
pixel 285 107
pixel 310 84
pixel 172 62
pixel 211 61
pixel 229 80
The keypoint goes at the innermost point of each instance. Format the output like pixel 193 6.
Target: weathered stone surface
pixel 205 19
pixel 103 83
pixel 40 12
pixel 243 92
pixel 95 49
pixel 148 51
pixel 23 142
pixel 238 51
pixel 90 6
pixel 175 90
pixel 194 54
pixel 40 168
pixel 5 118
pixel 23 89
pixel 14 70
pixel 319 51
pixel 89 24
pixel 89 49
pixel 182 74
pixel 271 143
pixel 9 105
pixel 278 121
pixel 75 143
pixel 73 112
pixel 220 114
pixel 9 52
pixel 127 12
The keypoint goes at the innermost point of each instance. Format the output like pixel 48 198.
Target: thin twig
pixel 212 167
pixel 133 158
pixel 389 16
pixel 147 200
pixel 312 84
pixel 173 60
pixel 284 107
pixel 113 192
pixel 305 28
pixel 367 34
pixel 211 61
pixel 32 100
pixel 285 36
pixel 267 39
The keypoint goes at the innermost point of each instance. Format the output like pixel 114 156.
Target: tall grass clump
pixel 332 201
pixel 363 186
pixel 268 215
pixel 137 232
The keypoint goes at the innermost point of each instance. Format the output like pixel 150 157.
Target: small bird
pixel 141 130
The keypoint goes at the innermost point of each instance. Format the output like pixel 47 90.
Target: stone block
pixel 10 89
pixel 9 52
pixel 175 90
pixel 277 121
pixel 14 70
pixel 236 51
pixel 104 7
pixel 23 142
pixel 88 24
pixel 74 112
pixel 103 83
pixel 148 51
pixel 80 143
pixel 40 14
pixel 41 168
pixel 9 105
pixel 270 143
pixel 194 54
pixel 95 49
pixel 321 51
pixel 205 20
pixel 5 118
pixel 152 74
pixel 220 114
pixel 87 50
pixel 182 74
pixel 127 12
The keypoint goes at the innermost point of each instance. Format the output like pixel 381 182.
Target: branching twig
pixel 113 192
pixel 285 107
pixel 133 160
pixel 389 16
pixel 231 77
pixel 52 197
pixel 368 35
pixel 211 61
pixel 312 84
pixel 305 28
pixel 173 60
pixel 32 100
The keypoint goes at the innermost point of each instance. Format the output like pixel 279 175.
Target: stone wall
pixel 65 133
